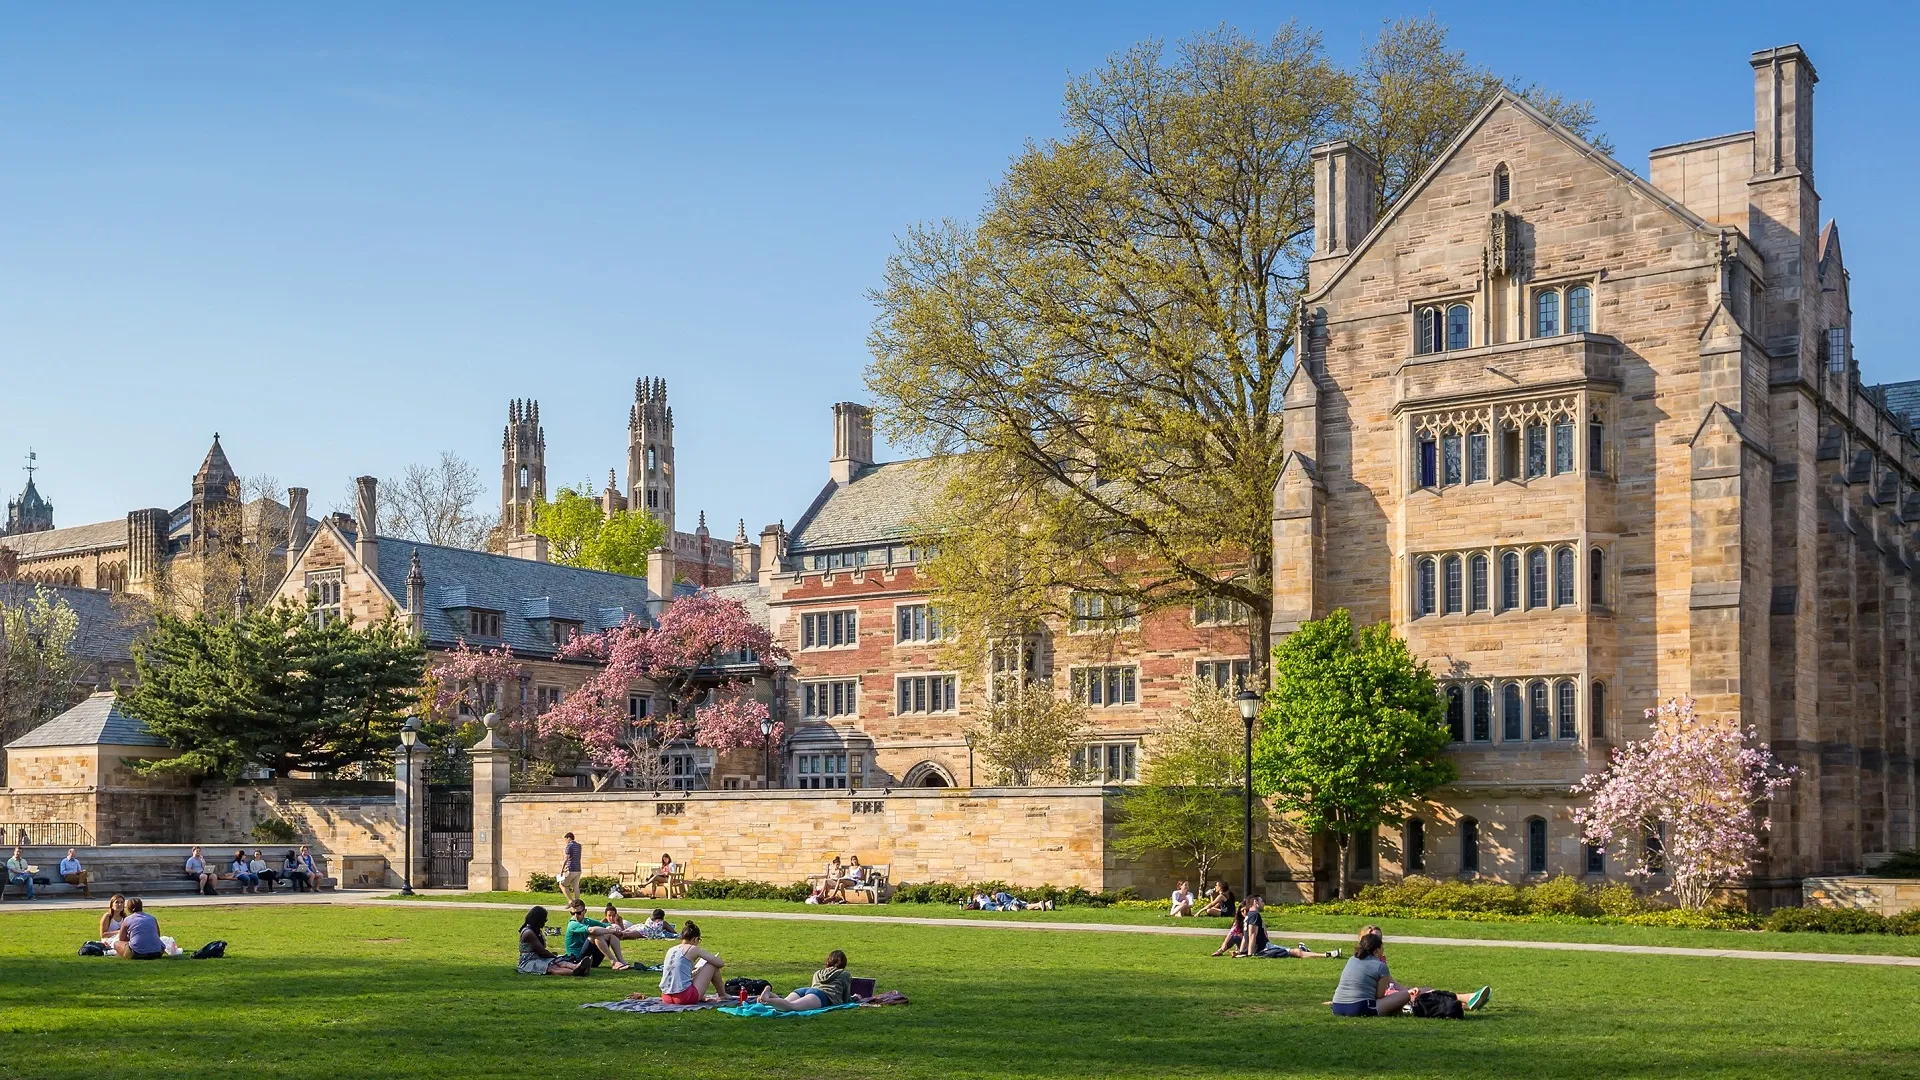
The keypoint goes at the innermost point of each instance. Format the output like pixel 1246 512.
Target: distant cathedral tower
pixel 650 452
pixel 30 513
pixel 523 468
pixel 216 485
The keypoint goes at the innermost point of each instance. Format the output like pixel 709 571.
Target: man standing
pixel 73 873
pixel 18 872
pixel 570 870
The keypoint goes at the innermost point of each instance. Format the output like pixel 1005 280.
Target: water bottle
pixel 743 995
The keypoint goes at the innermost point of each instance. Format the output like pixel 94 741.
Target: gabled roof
pixel 881 504
pixel 100 534
pixel 109 622
pixel 1509 98
pixel 96 721
pixel 751 595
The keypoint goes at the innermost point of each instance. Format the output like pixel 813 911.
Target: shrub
pixel 597 884
pixel 941 892
pixel 538 882
pixel 1620 899
pixel 275 830
pixel 1563 896
pixel 730 889
pixel 1907 922
pixel 1904 864
pixel 1827 921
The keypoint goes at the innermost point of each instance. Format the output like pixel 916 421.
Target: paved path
pixel 445 898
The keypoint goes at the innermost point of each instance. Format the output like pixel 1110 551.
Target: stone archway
pixel 928 774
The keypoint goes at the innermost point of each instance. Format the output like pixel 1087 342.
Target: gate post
pixel 492 778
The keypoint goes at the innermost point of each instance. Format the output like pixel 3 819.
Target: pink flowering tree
pixel 700 659
pixel 1702 784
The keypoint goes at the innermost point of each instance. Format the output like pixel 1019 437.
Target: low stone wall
pixel 110 816
pixel 338 818
pixel 1888 896
pixel 1028 836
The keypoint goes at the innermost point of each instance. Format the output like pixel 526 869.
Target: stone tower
pixel 215 486
pixel 30 512
pixel 650 452
pixel 523 467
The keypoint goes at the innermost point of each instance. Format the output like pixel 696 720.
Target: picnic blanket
pixel 648 1005
pixel 754 1008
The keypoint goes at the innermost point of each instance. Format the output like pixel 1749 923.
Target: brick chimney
pixel 531 546
pixel 296 523
pixel 852 441
pixel 367 542
pixel 773 548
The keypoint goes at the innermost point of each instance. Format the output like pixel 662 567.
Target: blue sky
pixel 345 237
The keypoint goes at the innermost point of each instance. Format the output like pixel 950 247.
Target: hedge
pixel 1842 921
pixel 1072 895
pixel 730 889
pixel 590 884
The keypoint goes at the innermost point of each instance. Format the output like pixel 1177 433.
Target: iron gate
pixel 449 835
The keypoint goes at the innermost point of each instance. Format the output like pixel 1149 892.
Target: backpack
pixel 212 950
pixel 93 948
pixel 751 986
pixel 1438 1005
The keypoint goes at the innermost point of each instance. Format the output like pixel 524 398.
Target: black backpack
pixel 212 950
pixel 93 948
pixel 751 986
pixel 1439 1005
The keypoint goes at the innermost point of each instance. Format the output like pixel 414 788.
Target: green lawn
pixel 1284 919
pixel 399 992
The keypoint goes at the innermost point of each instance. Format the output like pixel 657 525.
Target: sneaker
pixel 1479 998
pixel 1333 954
pixel 1302 946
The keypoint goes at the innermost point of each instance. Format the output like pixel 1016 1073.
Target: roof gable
pixel 96 721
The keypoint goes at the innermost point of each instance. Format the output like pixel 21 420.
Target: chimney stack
pixel 746 557
pixel 367 542
pixel 1343 198
pixel 146 547
pixel 660 575
pixel 296 524
pixel 416 596
pixel 852 441
pixel 773 548
pixel 532 546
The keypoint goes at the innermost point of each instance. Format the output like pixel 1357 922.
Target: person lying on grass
pixel 689 971
pixel 1367 987
pixel 621 928
pixel 831 986
pixel 658 928
pixel 590 940
pixel 1253 936
pixel 535 957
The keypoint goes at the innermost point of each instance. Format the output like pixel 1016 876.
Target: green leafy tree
pixel 39 675
pixel 1026 734
pixel 1102 351
pixel 1192 801
pixel 581 533
pixel 273 689
pixel 1353 730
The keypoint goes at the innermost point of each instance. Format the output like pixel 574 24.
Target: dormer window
pixel 483 623
pixel 1442 328
pixel 1502 184
pixel 564 631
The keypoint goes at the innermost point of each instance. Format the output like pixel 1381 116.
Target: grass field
pixel 398 992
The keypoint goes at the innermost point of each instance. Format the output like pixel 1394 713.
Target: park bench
pixel 642 877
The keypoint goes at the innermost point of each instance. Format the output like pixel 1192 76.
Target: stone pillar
pixel 409 781
pixel 492 779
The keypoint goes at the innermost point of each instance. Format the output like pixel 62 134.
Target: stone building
pixel 30 512
pixel 1591 442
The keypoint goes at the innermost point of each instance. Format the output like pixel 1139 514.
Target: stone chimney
pixel 773 548
pixel 660 575
pixel 296 524
pixel 416 596
pixel 1783 206
pixel 1343 200
pixel 531 546
pixel 746 557
pixel 852 441
pixel 146 546
pixel 367 540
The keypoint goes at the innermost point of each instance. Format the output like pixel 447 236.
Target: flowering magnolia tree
pixel 685 656
pixel 1700 783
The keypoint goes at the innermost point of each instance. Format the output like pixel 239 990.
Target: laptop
pixel 862 988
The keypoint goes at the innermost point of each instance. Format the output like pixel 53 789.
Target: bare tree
pixel 433 504
pixel 237 560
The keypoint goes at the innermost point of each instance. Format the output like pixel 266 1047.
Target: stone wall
pixel 339 818
pixel 1888 896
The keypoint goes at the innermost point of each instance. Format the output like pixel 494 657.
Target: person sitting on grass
pixel 200 873
pixel 621 928
pixel 689 971
pixel 831 986
pixel 1254 942
pixel 241 868
pixel 658 928
pixel 535 957
pixel 73 873
pixel 112 918
pixel 18 873
pixel 590 940
pixel 1235 935
pixel 139 937
pixel 1182 902
pixel 1220 903
pixel 1367 987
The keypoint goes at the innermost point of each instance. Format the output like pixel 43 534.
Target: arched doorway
pixel 928 774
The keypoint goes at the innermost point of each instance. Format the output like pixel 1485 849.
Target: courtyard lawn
pixel 399 992
pixel 1280 920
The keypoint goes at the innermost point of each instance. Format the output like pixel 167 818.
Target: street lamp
pixel 969 759
pixel 409 734
pixel 1249 703
pixel 766 751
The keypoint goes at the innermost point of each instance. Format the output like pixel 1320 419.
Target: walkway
pixel 445 898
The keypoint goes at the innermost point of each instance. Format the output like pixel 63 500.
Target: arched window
pixel 1597 709
pixel 1596 577
pixel 1579 310
pixel 1502 184
pixel 1563 577
pixel 1597 446
pixel 653 460
pixel 1469 846
pixel 1512 726
pixel 1426 335
pixel 1459 327
pixel 1456 714
pixel 1509 581
pixel 1563 706
pixel 1537 578
pixel 1477 583
pixel 1654 850
pixel 1536 845
pixel 525 476
pixel 1539 722
pixel 1546 313
pixel 1423 588
pixel 1414 846
pixel 1451 471
pixel 1450 581
pixel 1482 696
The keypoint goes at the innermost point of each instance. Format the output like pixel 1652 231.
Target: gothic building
pixel 30 512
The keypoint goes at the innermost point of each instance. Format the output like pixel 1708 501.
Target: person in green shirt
pixel 591 940
pixel 831 986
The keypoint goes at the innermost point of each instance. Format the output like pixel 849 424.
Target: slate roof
pixel 100 534
pixel 1902 399
pixel 525 592
pixel 881 504
pixel 109 622
pixel 751 595
pixel 96 721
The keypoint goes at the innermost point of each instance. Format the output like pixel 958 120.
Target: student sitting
pixel 18 873
pixel 1182 902
pixel 73 873
pixel 831 986
pixel 658 928
pixel 139 937
pixel 621 928
pixel 200 873
pixel 1253 941
pixel 1220 902
pixel 112 918
pixel 832 888
pixel 660 877
pixel 689 971
pixel 266 875
pixel 291 870
pixel 535 957
pixel 590 940
pixel 241 869
pixel 1367 987
pixel 1235 935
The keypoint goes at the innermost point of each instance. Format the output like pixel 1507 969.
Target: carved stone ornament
pixel 1504 243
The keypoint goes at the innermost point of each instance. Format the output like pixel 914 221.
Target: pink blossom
pixel 1702 783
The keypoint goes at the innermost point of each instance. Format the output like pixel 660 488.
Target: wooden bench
pixel 876 886
pixel 643 877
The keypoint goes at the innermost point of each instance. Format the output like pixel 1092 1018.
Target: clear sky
pixel 344 237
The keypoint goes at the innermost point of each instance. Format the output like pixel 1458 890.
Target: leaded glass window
pixel 1539 722
pixel 1563 445
pixel 1459 327
pixel 1450 573
pixel 1536 578
pixel 1563 577
pixel 1476 456
pixel 1452 468
pixel 1511 723
pixel 1423 588
pixel 1482 713
pixel 1563 710
pixel 1546 313
pixel 1509 581
pixel 1477 583
pixel 1456 714
pixel 1536 450
pixel 1579 310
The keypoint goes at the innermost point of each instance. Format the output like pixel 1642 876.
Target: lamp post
pixel 766 751
pixel 1249 703
pixel 969 759
pixel 409 734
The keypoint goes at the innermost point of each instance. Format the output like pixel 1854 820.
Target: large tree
pixel 436 504
pixel 272 689
pixel 38 671
pixel 1353 731
pixel 1105 347
pixel 581 533
pixel 238 559
pixel 1192 798
pixel 1025 733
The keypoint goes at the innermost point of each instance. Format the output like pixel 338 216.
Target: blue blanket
pixel 754 1008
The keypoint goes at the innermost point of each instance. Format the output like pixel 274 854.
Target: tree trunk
pixel 1340 869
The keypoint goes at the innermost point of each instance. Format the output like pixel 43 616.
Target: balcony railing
pixel 46 834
